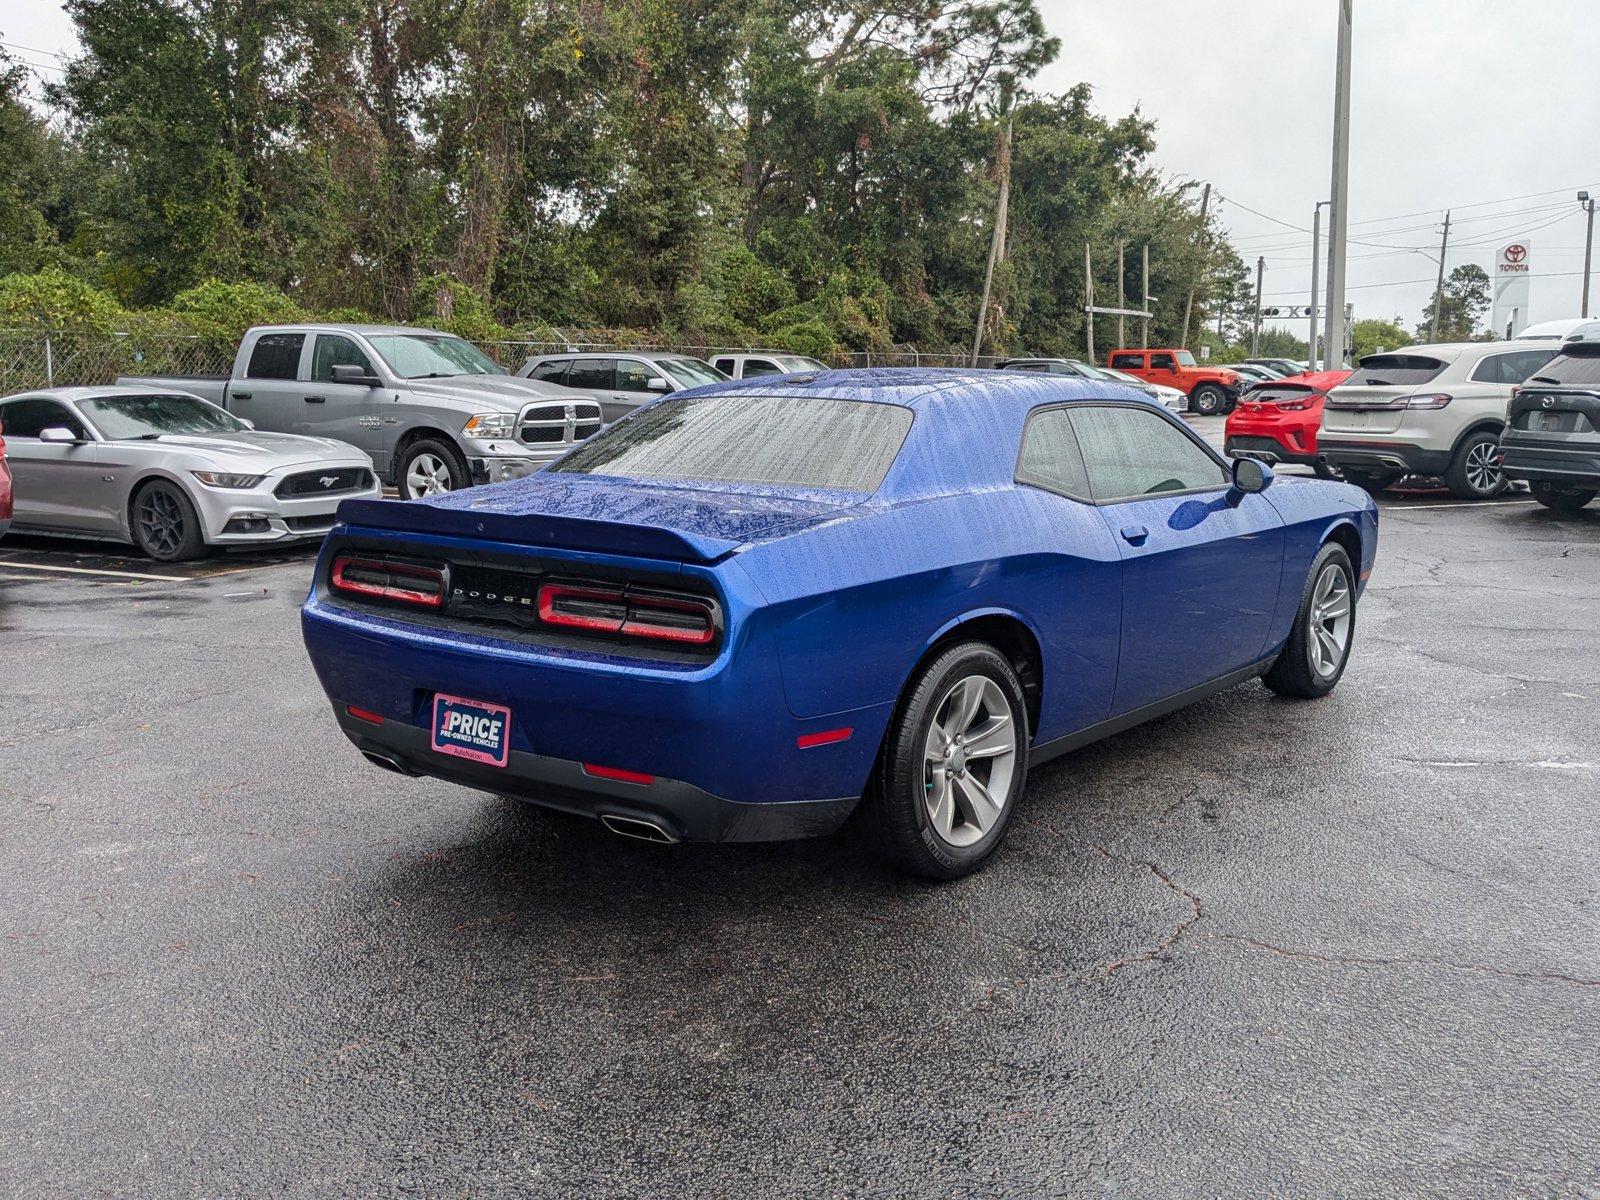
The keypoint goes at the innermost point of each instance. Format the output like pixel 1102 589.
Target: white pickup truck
pixel 432 411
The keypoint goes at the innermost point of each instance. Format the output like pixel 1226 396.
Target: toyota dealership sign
pixel 1512 270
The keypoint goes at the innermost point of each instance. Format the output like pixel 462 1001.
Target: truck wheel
pixel 431 468
pixel 1474 473
pixel 1207 400
pixel 1562 500
pixel 165 525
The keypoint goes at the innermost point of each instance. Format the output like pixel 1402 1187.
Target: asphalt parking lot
pixel 1257 947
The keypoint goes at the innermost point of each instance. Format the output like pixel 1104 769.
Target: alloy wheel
pixel 969 760
pixel 428 475
pixel 1483 471
pixel 1330 621
pixel 160 522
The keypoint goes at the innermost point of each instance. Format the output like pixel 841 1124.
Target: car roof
pixel 363 330
pixel 75 394
pixel 1450 351
pixel 653 355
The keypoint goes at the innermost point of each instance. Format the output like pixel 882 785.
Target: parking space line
pixel 6 565
pixel 1456 504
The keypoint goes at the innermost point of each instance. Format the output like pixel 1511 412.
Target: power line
pixel 1408 282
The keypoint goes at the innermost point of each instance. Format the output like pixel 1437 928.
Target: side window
pixel 1050 456
pixel 1132 452
pixel 725 365
pixel 1510 368
pixel 633 375
pixel 551 372
pixel 28 418
pixel 276 356
pixel 1064 369
pixel 1127 362
pixel 1162 362
pixel 590 373
pixel 334 350
pixel 760 366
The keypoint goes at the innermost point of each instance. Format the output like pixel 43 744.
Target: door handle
pixel 316 399
pixel 1134 535
pixel 240 395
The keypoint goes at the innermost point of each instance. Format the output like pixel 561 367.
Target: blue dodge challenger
pixel 748 608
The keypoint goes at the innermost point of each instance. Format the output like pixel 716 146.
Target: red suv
pixel 1278 420
pixel 5 488
pixel 1211 390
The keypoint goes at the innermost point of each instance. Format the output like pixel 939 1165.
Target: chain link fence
pixel 33 359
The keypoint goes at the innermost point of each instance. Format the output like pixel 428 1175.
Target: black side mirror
pixel 1250 475
pixel 350 373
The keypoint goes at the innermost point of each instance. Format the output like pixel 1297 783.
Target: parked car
pixel 1569 329
pixel 1210 390
pixel 764 362
pixel 742 612
pixel 621 383
pixel 1277 421
pixel 170 472
pixel 434 413
pixel 1281 367
pixel 1250 373
pixel 1427 410
pixel 1078 369
pixel 1552 435
pixel 5 486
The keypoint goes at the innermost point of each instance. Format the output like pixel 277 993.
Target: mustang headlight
pixel 222 479
pixel 491 425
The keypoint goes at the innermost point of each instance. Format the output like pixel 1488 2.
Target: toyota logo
pixel 1516 253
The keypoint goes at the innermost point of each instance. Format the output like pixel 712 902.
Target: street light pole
pixel 1339 202
pixel 1316 283
pixel 1255 328
pixel 1588 248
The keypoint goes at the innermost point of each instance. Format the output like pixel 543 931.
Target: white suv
pixel 766 362
pixel 1427 410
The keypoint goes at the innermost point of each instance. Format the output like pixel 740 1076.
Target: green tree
pixel 1466 298
pixel 1373 337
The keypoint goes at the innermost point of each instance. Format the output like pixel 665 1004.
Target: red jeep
pixel 1211 390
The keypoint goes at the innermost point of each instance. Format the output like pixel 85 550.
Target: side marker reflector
pixel 364 714
pixel 826 738
pixel 617 773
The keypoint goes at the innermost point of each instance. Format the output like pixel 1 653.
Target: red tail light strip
pixel 389 581
pixel 618 774
pixel 625 612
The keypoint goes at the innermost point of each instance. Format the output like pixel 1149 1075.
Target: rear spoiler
pixel 538 529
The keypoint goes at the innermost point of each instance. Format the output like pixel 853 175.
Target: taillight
pixel 1429 400
pixel 379 579
pixel 1294 405
pixel 627 612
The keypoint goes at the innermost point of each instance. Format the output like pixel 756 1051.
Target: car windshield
pixel 1389 370
pixel 1571 370
pixel 1093 372
pixel 1186 358
pixel 122 418
pixel 690 372
pixel 776 440
pixel 795 363
pixel 432 356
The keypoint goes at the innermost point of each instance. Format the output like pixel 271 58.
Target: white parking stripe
pixel 1456 504
pixel 6 565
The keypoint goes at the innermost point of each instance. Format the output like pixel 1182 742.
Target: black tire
pixel 1295 672
pixel 1207 400
pixel 1563 500
pixel 1324 471
pixel 897 800
pixel 164 523
pixel 1470 476
pixel 447 467
pixel 1374 482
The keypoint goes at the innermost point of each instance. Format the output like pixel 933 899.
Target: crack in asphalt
pixel 1341 960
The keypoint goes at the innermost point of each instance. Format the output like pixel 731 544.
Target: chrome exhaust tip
pixel 637 827
pixel 387 763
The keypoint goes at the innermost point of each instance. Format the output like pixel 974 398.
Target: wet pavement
pixel 1257 947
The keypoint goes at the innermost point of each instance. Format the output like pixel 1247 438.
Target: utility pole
pixel 1122 292
pixel 1144 270
pixel 1188 305
pixel 997 242
pixel 1316 274
pixel 1438 288
pixel 1588 248
pixel 1339 193
pixel 1088 301
pixel 1255 330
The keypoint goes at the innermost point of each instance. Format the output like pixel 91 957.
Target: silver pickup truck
pixel 431 410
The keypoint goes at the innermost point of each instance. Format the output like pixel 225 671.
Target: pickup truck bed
pixel 208 387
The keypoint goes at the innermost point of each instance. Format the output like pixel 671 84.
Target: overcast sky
pixel 1455 104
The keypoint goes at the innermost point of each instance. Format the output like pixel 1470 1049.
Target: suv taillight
pixel 380 579
pixel 1429 400
pixel 627 612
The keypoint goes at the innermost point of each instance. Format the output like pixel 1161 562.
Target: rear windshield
pixel 1272 393
pixel 690 372
pixel 1570 370
pixel 777 440
pixel 1379 370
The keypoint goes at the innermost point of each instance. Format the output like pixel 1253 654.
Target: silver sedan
pixel 169 472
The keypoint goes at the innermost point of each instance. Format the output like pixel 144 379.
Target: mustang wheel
pixel 1314 657
pixel 953 764
pixel 431 468
pixel 165 524
pixel 1474 473
pixel 1562 500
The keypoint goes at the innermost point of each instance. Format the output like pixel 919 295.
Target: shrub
pixel 54 300
pixel 224 311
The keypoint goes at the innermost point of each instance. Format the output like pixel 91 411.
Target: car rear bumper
pixel 1378 456
pixel 668 808
pixel 1268 449
pixel 1576 464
